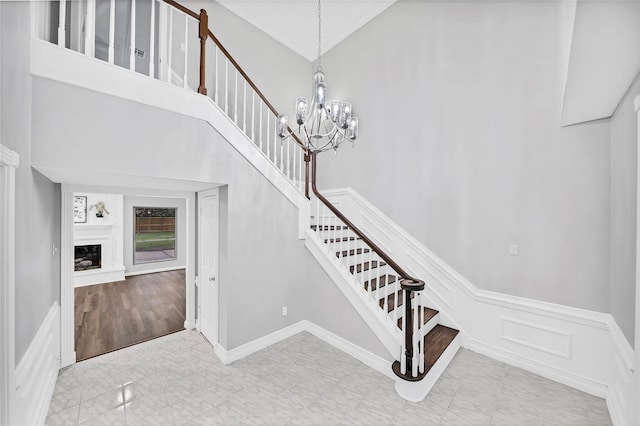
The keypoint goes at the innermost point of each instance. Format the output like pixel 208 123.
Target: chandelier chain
pixel 319 35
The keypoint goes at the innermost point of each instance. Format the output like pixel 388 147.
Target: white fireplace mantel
pixel 112 264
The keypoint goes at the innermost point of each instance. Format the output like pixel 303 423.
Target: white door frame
pixel 9 161
pixel 67 288
pixel 202 280
pixel 637 325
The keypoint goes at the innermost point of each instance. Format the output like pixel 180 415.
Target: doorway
pixel 208 281
pixel 80 221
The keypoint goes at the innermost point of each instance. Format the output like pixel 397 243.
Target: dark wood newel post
pixel 409 285
pixel 203 33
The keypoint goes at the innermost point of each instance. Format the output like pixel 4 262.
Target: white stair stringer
pixel 376 319
pixel 417 391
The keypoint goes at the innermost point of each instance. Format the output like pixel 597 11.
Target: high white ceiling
pixel 294 23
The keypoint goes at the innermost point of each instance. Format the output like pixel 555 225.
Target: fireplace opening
pixel 88 257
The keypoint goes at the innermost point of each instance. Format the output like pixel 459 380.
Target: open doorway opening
pixel 130 263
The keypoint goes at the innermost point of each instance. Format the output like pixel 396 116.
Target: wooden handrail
pixel 413 284
pixel 237 66
pixel 253 86
pixel 182 9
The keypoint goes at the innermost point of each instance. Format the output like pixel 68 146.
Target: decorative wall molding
pixel 229 356
pixel 368 358
pixel 545 339
pixel 37 372
pixel 580 348
pixel 9 161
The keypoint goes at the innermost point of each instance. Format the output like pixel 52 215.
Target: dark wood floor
pixel 115 315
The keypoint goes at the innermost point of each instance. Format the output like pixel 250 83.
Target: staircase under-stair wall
pixel 236 108
pixel 413 301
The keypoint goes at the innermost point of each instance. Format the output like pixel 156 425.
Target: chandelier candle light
pixel 323 126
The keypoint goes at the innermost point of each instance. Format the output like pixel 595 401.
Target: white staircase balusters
pixel 152 40
pixel 90 29
pixel 244 107
pixel 169 43
pixel 235 99
pixel 215 99
pixel 62 30
pixel 132 38
pixel 226 86
pixel 185 78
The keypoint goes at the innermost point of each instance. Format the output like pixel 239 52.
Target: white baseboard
pixel 229 356
pixel 154 270
pixel 37 372
pixel 100 277
pixel 585 384
pixel 368 358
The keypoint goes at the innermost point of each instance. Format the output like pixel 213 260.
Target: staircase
pixel 392 297
pixel 389 299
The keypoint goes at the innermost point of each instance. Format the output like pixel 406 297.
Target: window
pixel 155 234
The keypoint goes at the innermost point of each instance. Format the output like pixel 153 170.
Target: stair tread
pixel 365 266
pixel 427 314
pixel 351 252
pixel 382 280
pixel 436 342
pixel 328 227
pixel 337 240
pixel 391 300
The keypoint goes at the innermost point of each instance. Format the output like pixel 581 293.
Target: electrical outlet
pixel 513 250
pixel 284 311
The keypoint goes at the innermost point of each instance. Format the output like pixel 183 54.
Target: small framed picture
pixel 79 209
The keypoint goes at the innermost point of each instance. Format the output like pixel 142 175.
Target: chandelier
pixel 322 126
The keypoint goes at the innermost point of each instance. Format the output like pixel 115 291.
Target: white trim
pixel 67 287
pixel 9 161
pixel 560 375
pixel 229 356
pixel 636 103
pixel 37 371
pixel 417 391
pixel 368 358
pixel 155 270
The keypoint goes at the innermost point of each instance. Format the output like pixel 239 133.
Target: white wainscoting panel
pixel 580 348
pixel 545 339
pixel 9 161
pixel 37 372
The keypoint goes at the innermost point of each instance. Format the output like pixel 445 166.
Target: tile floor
pixel 178 380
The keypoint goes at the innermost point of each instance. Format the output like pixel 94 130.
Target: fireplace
pixel 88 257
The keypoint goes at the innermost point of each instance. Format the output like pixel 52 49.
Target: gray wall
pixel 263 264
pixel 180 204
pixel 624 144
pixel 37 198
pixel 461 145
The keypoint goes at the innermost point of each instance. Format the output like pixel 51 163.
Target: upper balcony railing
pixel 166 41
